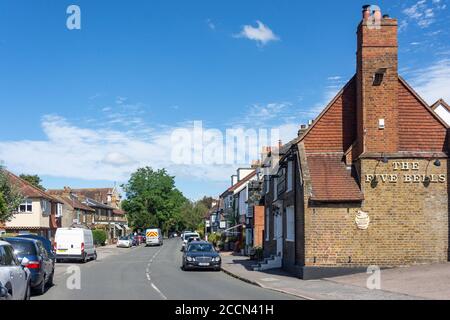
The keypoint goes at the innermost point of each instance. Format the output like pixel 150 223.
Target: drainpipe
pixel 295 205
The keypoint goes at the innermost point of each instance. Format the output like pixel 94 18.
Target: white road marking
pixel 148 274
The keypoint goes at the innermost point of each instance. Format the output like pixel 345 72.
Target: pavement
pixel 341 288
pixel 148 273
pixel 423 281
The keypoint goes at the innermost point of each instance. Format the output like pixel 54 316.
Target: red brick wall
pixel 259 226
pixel 377 48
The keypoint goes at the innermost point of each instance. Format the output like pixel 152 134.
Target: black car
pixel 40 264
pixel 201 255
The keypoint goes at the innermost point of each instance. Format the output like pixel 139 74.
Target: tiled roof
pixel 331 180
pixel 71 201
pixel 26 228
pixel 97 194
pixel 119 212
pixel 242 182
pixel 27 189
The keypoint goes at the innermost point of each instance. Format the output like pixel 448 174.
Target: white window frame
pixel 290 178
pixel 275 189
pixel 59 210
pixel 267 224
pixel 46 208
pixel 276 227
pixel 290 224
pixel 27 203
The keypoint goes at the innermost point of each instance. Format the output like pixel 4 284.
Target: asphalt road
pixel 149 273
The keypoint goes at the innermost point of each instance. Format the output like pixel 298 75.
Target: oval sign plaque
pixel 362 220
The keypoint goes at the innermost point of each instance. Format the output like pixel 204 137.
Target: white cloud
pixel 121 100
pixel 334 78
pixel 423 13
pixel 117 159
pixel 73 152
pixel 262 34
pixel 432 82
pixel 211 24
pixel 263 114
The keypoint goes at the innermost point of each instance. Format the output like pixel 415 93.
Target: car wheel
pixel 41 289
pixel 50 279
pixel 28 292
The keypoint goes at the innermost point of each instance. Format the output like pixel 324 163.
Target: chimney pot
pixel 377 14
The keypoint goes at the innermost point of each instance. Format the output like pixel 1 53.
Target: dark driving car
pixel 201 255
pixel 40 264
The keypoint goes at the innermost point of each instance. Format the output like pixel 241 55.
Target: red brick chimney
pixel 377 83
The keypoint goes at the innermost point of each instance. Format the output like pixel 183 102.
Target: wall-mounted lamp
pixel 437 163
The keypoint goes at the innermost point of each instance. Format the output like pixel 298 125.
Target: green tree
pixel 35 180
pixel 3 206
pixel 193 215
pixel 10 197
pixel 152 199
pixel 208 202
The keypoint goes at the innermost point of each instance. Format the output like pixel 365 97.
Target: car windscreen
pixel 196 247
pixel 47 244
pixel 190 235
pixel 124 238
pixel 23 248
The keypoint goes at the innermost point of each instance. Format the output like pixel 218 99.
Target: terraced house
pixel 96 208
pixel 39 213
pixel 366 183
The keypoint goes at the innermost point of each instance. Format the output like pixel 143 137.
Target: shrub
pixel 259 253
pixel 201 233
pixel 214 238
pixel 99 237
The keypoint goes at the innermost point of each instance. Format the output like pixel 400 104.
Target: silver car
pixel 14 278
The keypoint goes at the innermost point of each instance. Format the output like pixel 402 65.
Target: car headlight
pixel 190 259
pixel 216 259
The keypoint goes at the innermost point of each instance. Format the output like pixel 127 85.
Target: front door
pixel 279 234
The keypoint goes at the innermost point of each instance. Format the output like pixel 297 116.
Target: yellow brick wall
pixel 409 222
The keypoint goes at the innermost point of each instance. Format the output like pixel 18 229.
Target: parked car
pixel 14 277
pixel 40 264
pixel 186 237
pixel 154 237
pixel 173 235
pixel 134 240
pixel 140 239
pixel 201 255
pixel 184 232
pixel 74 244
pixel 125 242
pixel 47 244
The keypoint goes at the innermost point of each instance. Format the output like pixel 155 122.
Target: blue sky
pixel 84 108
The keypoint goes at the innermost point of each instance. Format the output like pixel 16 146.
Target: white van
pixel 153 237
pixel 74 243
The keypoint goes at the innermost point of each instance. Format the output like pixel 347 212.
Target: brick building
pixel 368 178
